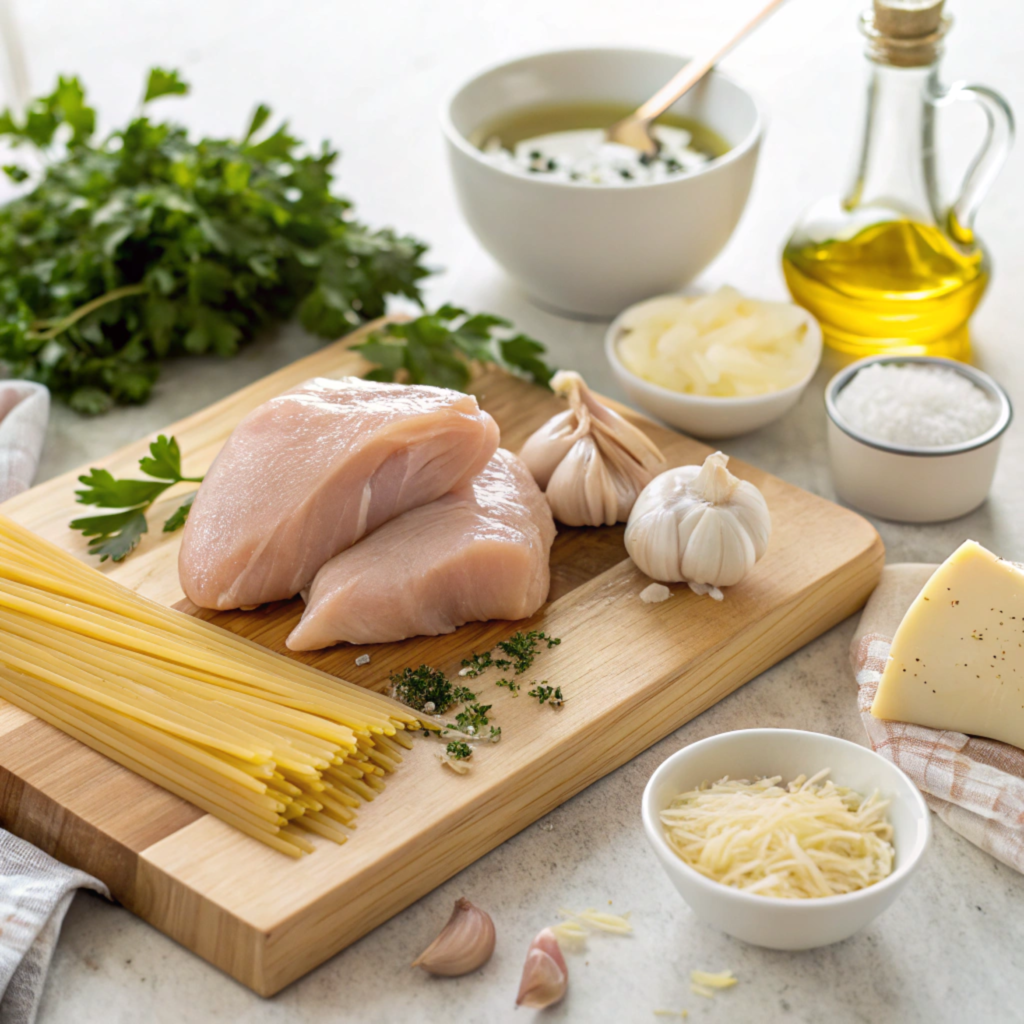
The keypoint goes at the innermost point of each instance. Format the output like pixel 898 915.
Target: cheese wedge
pixel 957 660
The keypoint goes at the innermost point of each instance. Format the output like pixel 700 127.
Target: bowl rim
pixel 906 860
pixel 989 385
pixel 457 139
pixel 611 339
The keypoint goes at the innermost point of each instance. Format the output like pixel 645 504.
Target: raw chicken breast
pixel 308 473
pixel 478 553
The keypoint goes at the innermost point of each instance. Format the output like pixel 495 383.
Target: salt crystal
pixel 363 659
pixel 915 406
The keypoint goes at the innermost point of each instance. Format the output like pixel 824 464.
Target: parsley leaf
pixel 147 243
pixel 439 348
pixel 116 535
pixel 164 83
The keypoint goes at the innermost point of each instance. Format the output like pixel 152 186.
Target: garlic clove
pixel 465 944
pixel 545 976
pixel 548 445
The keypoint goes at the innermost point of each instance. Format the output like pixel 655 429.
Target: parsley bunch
pixel 147 244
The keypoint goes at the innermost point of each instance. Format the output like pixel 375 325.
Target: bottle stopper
pixel 905 33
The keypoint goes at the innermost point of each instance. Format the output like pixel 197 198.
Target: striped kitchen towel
pixel 976 786
pixel 35 893
pixel 24 410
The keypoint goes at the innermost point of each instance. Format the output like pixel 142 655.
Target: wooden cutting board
pixel 631 673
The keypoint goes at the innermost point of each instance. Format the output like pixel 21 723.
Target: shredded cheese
pixel 600 921
pixel 570 935
pixel 808 839
pixel 702 990
pixel 724 979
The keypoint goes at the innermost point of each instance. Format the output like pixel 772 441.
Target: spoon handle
pixel 692 72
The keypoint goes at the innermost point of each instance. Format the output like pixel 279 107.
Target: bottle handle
pixel 989 160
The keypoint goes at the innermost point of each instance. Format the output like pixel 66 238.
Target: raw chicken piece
pixel 478 553
pixel 308 473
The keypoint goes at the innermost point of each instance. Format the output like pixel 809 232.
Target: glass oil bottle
pixel 890 267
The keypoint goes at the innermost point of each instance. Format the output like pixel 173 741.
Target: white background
pixel 369 76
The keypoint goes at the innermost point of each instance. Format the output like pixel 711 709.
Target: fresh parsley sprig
pixel 115 534
pixel 438 348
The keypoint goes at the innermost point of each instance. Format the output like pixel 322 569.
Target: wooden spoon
pixel 635 130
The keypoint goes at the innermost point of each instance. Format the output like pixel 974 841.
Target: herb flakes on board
pixel 424 689
pixel 522 648
pixel 550 695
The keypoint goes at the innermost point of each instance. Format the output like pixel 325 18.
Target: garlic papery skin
pixel 545 976
pixel 590 461
pixel 465 944
pixel 698 524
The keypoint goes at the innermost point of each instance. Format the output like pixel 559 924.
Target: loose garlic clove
pixel 465 944
pixel 545 976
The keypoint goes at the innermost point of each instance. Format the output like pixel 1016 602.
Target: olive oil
pixel 892 265
pixel 895 286
pixel 530 122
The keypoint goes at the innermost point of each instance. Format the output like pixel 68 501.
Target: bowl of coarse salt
pixel 914 439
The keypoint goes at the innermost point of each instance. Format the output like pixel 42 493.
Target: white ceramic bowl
pixel 702 415
pixel 913 485
pixel 750 753
pixel 591 250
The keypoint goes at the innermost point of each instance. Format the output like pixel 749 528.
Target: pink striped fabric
pixel 976 786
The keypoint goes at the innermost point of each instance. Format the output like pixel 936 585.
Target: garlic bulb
pixel 698 524
pixel 466 942
pixel 590 461
pixel 545 976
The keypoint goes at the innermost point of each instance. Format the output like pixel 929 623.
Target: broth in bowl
pixel 566 142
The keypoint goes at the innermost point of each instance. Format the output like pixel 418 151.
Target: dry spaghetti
pixel 270 746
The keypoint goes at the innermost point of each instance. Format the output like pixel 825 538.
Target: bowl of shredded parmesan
pixel 783 838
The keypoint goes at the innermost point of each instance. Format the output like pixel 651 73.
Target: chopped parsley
pixel 521 649
pixel 472 720
pixel 510 684
pixel 424 689
pixel 459 751
pixel 476 665
pixel 551 695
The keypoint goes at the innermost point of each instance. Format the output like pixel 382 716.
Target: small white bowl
pixel 752 753
pixel 590 250
pixel 704 415
pixel 913 485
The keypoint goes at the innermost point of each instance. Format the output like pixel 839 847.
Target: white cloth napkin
pixel 975 785
pixel 24 410
pixel 35 893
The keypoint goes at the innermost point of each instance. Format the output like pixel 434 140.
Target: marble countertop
pixel 369 77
